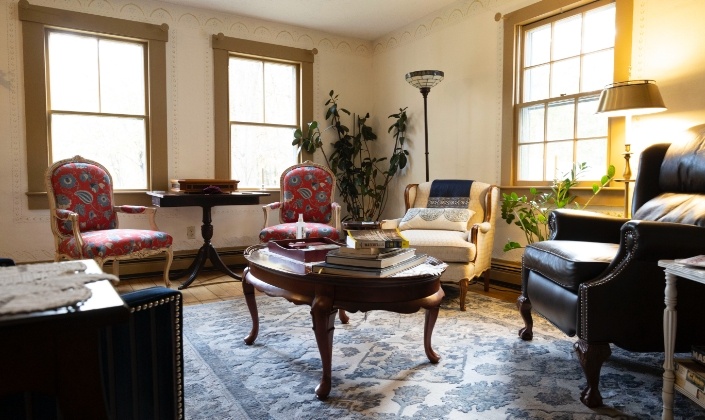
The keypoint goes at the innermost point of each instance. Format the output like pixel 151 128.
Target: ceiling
pixel 362 19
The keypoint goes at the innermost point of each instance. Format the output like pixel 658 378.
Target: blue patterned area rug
pixel 380 370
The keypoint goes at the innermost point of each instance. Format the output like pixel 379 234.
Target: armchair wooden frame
pixel 58 215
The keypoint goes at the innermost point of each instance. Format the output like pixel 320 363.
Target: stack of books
pixel 690 374
pixel 371 253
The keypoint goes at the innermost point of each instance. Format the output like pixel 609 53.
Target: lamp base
pixel 627 175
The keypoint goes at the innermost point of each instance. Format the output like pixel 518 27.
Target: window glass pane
pixel 599 30
pixel 260 154
pixel 589 123
pixel 530 162
pixel 122 87
pixel 563 86
pixel 566 37
pixel 597 70
pixel 565 77
pixel 73 72
pixel 280 93
pixel 559 159
pixel 538 46
pixel 594 153
pixel 532 121
pixel 246 90
pixel 536 83
pixel 119 144
pixel 560 120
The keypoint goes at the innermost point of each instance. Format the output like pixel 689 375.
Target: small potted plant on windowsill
pixel 530 212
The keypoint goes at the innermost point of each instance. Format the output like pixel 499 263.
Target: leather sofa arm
pixel 662 240
pixel 634 282
pixel 582 225
pixel 142 360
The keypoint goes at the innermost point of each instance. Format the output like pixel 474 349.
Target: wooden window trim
pixel 35 21
pixel 512 39
pixel 223 46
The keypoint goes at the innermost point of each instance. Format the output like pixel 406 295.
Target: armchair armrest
pixel 389 223
pixel 149 211
pixel 655 241
pixel 63 214
pixel 142 360
pixel 335 208
pixel 634 280
pixel 581 225
pixel 267 209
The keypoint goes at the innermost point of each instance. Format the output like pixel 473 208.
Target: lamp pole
pixel 424 80
pixel 424 92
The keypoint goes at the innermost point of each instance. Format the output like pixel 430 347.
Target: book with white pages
pixel 366 252
pixel 381 261
pixel 353 271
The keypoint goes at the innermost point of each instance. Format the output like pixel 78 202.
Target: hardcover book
pixel 698 353
pixel 376 238
pixel 346 270
pixel 689 377
pixel 364 252
pixel 381 261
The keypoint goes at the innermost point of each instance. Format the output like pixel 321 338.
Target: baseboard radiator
pixel 506 273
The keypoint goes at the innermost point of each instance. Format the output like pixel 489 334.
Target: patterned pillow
pixel 436 219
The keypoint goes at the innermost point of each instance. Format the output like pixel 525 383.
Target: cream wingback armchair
pixel 454 221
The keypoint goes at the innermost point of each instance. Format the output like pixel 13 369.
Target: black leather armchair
pixel 597 277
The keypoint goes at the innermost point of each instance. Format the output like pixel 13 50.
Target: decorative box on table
pixel 196 186
pixel 304 250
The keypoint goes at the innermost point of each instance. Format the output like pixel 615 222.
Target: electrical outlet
pixel 191 232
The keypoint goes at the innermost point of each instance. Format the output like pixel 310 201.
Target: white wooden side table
pixel 674 271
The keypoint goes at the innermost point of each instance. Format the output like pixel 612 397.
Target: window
pixel 566 61
pixel 563 62
pixel 263 92
pixel 97 104
pixel 95 86
pixel 263 112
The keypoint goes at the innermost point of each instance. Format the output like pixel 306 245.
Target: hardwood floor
pixel 213 286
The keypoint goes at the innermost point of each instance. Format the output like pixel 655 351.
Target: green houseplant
pixel 530 212
pixel 362 178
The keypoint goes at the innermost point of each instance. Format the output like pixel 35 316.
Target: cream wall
pixel 464 109
pixel 463 40
pixel 341 63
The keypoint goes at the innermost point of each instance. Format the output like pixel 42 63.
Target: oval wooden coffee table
pixel 328 295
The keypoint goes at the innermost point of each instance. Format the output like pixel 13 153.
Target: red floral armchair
pixel 84 220
pixel 308 189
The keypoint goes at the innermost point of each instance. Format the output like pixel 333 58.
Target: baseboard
pixel 502 272
pixel 505 272
pixel 154 266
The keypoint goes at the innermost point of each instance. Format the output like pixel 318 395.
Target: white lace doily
pixel 38 287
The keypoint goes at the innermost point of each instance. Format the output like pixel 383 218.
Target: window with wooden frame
pixel 96 87
pixel 562 59
pixel 263 92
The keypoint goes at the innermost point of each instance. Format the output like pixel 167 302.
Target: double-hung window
pixel 263 92
pixel 562 63
pixel 97 104
pixel 264 112
pixel 95 86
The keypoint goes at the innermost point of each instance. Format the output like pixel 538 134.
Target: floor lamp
pixel 625 99
pixel 425 80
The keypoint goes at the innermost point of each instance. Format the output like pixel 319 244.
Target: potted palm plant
pixel 362 178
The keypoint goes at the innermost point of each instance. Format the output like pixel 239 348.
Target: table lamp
pixel 625 99
pixel 424 80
